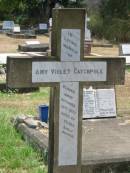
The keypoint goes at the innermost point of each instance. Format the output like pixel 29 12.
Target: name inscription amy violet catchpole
pixel 69 71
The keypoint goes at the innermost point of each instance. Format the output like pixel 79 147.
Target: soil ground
pixel 10 45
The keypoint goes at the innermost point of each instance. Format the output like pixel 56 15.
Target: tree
pixel 32 11
pixel 115 9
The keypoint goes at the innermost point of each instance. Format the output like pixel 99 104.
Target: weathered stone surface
pixel 102 45
pixel 33 47
pixel 19 35
pixel 105 148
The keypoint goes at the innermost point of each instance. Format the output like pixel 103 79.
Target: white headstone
pixel 8 25
pixel 126 49
pixel 87 31
pixel 42 26
pixel 16 29
pixel 50 22
pixel 87 34
pixel 99 103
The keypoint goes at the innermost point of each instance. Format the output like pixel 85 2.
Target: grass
pixel 15 155
pixel 128 68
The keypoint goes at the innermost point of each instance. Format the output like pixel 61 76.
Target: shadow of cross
pixel 67 72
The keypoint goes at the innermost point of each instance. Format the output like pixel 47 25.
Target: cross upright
pixel 66 72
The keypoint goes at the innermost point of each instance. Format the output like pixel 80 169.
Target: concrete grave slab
pixel 111 148
pixel 21 35
pixel 32 42
pixel 42 47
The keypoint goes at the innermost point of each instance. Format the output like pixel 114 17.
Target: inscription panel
pixel 70 44
pixel 99 103
pixel 68 123
pixel 69 71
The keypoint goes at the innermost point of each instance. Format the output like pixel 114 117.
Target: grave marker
pixel 8 25
pixel 124 50
pixel 67 72
pixel 16 29
pixel 43 26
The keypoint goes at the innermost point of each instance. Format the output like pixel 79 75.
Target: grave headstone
pixel 8 25
pixel 88 39
pixel 16 29
pixel 43 26
pixel 124 50
pixel 67 72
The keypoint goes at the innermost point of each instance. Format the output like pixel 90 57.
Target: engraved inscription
pixel 68 123
pixel 69 71
pixel 99 103
pixel 70 44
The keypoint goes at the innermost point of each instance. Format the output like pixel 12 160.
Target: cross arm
pixel 19 71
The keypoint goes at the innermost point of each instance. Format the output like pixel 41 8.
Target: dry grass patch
pixel 114 51
pixel 10 45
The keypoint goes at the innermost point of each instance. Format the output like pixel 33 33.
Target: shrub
pixel 117 30
pixel 96 25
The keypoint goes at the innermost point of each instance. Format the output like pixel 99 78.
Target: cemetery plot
pixel 67 72
pixel 98 152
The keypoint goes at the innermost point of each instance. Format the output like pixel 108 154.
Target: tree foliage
pixel 31 11
pixel 115 9
pixel 112 20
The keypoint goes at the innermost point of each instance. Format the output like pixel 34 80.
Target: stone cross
pixel 67 72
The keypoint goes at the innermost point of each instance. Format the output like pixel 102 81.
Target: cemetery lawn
pixel 15 155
